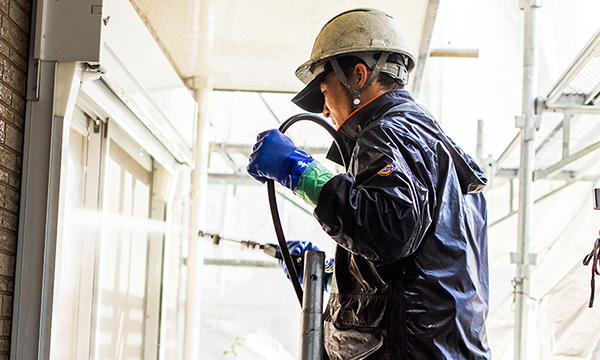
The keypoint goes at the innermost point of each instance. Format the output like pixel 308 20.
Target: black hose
pixel 287 258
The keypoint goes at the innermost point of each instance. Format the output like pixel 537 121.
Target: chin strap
pixel 344 80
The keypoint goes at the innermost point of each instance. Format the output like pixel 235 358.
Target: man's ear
pixel 361 73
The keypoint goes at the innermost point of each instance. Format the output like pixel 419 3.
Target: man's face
pixel 338 102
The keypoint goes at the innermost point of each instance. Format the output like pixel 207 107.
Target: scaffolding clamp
pixel 532 3
pixel 515 258
pixel 528 131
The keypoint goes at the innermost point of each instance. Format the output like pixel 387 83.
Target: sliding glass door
pixel 106 304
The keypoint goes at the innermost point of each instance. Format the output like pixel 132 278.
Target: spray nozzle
pixel 269 249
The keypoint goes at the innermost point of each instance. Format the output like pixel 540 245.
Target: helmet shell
pixel 356 31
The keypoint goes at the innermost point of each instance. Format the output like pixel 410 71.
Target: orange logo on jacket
pixel 386 170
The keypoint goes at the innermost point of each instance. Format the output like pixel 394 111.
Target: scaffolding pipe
pixel 526 169
pixel 311 335
pixel 479 149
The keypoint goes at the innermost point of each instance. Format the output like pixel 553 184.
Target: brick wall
pixel 14 46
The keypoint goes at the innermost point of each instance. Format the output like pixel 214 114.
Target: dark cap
pixel 311 98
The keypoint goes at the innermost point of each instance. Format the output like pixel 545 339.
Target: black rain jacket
pixel 411 265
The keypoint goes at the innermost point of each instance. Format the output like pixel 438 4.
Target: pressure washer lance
pixel 269 249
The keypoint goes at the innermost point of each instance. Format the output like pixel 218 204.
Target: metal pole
pixel 526 170
pixel 566 134
pixel 311 337
pixel 479 148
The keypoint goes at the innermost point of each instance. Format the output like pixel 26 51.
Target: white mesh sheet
pixel 586 80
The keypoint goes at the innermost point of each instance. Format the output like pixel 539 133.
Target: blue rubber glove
pixel 275 157
pixel 299 248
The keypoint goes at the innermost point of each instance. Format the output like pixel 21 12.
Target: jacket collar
pixel 372 111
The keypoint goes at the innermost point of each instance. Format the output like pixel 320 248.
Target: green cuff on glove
pixel 312 181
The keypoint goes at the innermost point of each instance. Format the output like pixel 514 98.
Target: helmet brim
pixel 311 98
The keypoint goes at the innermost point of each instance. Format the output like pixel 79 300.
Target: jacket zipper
pixel 391 344
pixel 402 319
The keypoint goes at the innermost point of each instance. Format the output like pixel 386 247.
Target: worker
pixel 410 276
